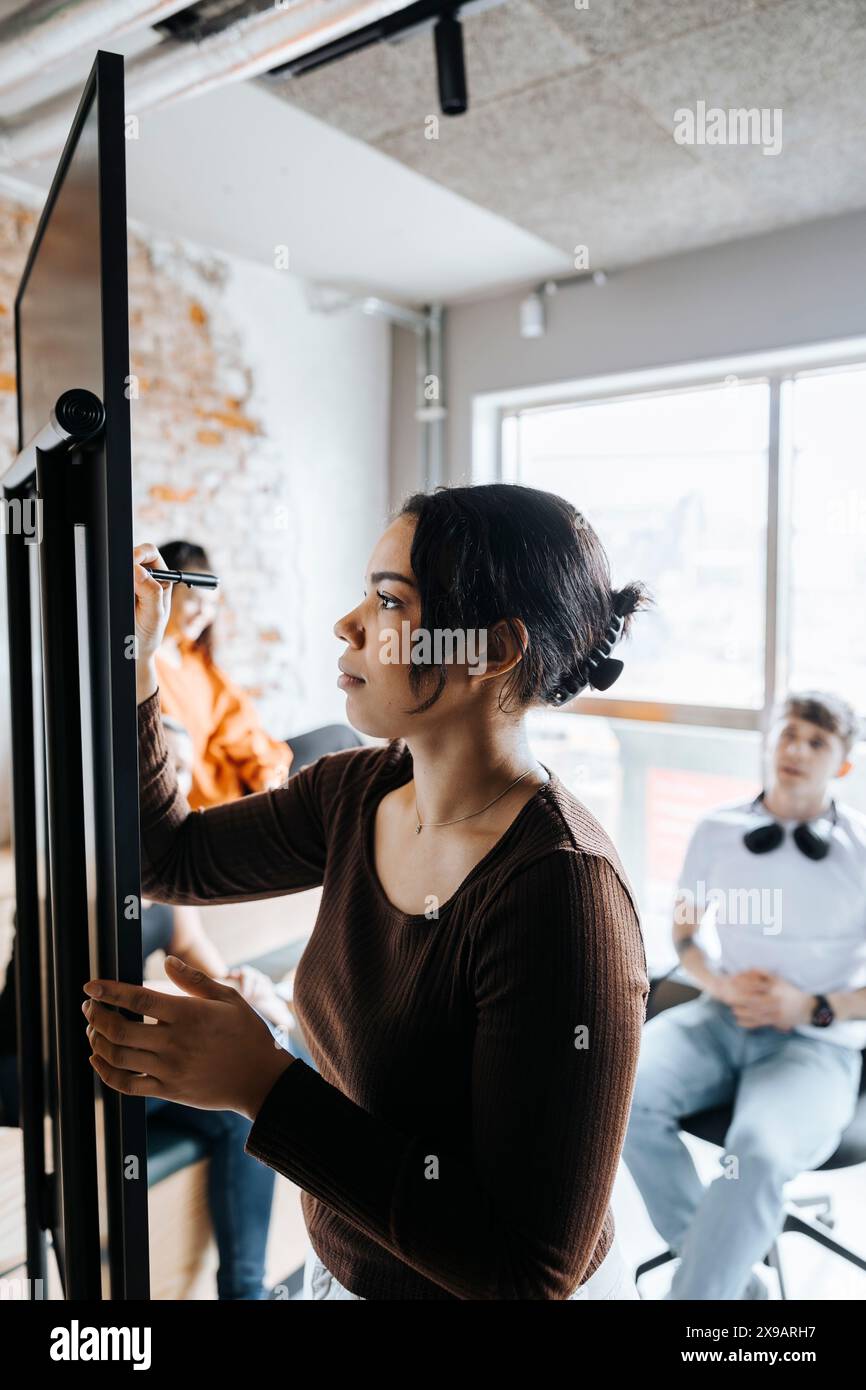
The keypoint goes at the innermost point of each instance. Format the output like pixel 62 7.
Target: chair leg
pixel 654 1263
pixel 822 1203
pixel 774 1260
pixel 794 1222
pixel 802 1225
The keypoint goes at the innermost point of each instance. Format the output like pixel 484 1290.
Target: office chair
pixel 712 1125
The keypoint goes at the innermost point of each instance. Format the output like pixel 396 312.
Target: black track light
pixel 450 67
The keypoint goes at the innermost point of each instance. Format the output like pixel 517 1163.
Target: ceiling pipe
pixel 177 70
pixel 42 35
pixel 394 29
pixel 332 299
pixel 398 314
pixel 432 412
pixel 427 324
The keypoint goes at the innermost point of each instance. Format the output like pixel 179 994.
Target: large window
pixel 827 569
pixel 676 485
pixel 741 503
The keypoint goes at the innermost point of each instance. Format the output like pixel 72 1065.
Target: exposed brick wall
pixel 17 225
pixel 259 431
pixel 204 465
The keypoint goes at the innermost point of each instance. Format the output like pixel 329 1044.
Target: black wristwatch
pixel 822 1014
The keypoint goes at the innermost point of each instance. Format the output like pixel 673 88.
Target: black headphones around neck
pixel 815 844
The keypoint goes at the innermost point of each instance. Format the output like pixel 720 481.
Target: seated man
pixel 781 1022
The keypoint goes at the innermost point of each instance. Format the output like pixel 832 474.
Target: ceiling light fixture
pixel 450 65
pixel 533 311
pixel 532 316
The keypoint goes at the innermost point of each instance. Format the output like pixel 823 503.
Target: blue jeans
pixel 240 1189
pixel 293 1039
pixel 792 1095
pixel 9 1089
pixel 240 1193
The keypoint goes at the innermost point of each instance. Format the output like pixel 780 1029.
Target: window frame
pixel 778 370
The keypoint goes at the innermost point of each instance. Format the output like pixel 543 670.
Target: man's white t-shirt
pixel 800 918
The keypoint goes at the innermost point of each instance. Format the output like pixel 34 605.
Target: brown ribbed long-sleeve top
pixel 475 1068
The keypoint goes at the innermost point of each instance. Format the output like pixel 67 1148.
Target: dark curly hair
pixel 499 551
pixel 186 555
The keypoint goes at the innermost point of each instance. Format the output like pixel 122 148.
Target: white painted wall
pixel 322 386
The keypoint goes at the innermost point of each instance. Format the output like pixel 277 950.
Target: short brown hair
pixel 828 711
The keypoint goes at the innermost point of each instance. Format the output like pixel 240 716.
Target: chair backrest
pixel 665 993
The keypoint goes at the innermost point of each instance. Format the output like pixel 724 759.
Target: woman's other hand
pixel 257 989
pixel 275 779
pixel 152 608
pixel 209 1049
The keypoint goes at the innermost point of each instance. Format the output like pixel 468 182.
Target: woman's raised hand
pixel 152 607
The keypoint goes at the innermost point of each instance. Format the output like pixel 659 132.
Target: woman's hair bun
pixel 628 600
pixel 598 669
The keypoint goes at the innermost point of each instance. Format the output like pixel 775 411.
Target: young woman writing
pixel 474 989
pixel 232 752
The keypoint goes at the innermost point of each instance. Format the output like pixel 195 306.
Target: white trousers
pixel 612 1280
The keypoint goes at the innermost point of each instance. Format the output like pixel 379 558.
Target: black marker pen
pixel 195 581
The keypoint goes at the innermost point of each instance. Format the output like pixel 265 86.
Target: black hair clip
pixel 600 669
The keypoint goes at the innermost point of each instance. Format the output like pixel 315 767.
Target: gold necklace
pixel 433 823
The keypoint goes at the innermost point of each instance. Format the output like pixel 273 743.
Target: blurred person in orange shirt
pixel 232 754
